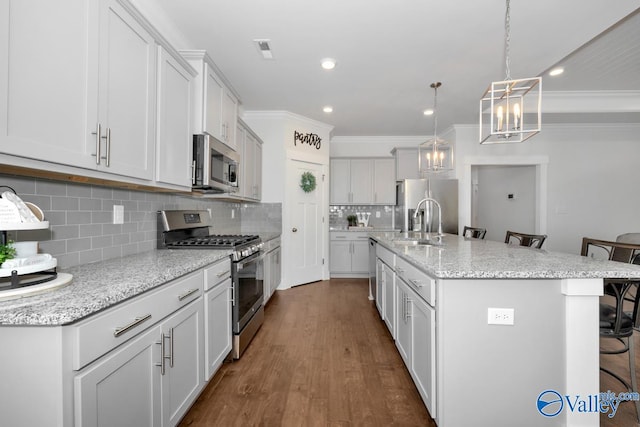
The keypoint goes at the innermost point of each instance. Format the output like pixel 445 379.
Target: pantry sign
pixel 310 140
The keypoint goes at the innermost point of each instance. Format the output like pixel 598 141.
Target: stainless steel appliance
pixel 215 166
pixel 410 191
pixel 186 229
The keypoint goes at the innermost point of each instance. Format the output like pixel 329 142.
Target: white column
pixel 582 353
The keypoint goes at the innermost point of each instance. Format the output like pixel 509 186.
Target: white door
pixel 304 225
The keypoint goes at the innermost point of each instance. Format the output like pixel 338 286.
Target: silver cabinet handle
pixel 187 294
pixel 224 273
pixel 171 347
pixel 417 283
pixel 138 320
pixel 161 364
pixel 340 237
pixel 193 172
pixel 108 157
pixel 233 296
pixel 98 136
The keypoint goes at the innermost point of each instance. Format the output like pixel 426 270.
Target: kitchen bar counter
pixel 464 258
pixel 444 302
pixel 100 285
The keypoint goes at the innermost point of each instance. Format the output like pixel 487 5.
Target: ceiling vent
pixel 264 48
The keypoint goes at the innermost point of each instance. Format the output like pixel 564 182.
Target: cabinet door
pixel 122 388
pixel 212 112
pixel 250 165
pixel 423 351
pixel 276 266
pixel 340 257
pixel 229 118
pixel 403 311
pixel 361 181
pixel 44 88
pixel 360 255
pixel 380 286
pixel 258 171
pixel 126 93
pixel 390 299
pixel 217 327
pixel 183 358
pixel 267 277
pixel 340 173
pixel 407 164
pixel 242 164
pixel 384 181
pixel 174 147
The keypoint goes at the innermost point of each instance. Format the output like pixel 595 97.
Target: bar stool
pixel 531 240
pixel 615 321
pixel 474 232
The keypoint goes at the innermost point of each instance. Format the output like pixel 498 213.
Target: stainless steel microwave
pixel 215 166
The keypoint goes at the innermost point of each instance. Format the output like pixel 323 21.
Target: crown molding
pixel 284 115
pixel 620 101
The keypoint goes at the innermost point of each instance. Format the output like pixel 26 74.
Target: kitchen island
pixel 485 328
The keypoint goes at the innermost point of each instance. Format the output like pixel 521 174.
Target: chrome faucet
pixel 417 212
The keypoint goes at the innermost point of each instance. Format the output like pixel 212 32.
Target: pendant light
pixel 435 154
pixel 510 110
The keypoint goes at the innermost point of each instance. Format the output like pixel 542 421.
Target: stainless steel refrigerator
pixel 410 191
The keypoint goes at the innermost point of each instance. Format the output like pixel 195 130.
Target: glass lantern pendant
pixel 510 110
pixel 435 154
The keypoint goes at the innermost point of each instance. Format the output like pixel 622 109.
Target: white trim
pixel 466 184
pixel 618 101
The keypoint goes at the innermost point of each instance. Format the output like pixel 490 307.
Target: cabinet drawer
pixel 217 273
pixel 348 235
pixel 420 282
pixel 103 332
pixel 386 256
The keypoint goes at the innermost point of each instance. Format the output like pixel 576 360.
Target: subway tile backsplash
pixel 338 215
pixel 81 218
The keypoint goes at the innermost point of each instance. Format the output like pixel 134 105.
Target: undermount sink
pixel 416 238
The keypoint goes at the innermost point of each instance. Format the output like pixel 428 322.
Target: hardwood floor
pixel 322 358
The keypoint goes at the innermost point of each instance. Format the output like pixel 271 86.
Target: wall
pixel 590 178
pixel 495 211
pixel 371 146
pixel 80 217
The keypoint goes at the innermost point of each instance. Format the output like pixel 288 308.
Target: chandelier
pixel 510 110
pixel 435 154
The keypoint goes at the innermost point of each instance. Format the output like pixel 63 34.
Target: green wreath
pixel 308 182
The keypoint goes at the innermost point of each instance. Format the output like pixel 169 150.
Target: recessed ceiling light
pixel 556 71
pixel 428 112
pixel 328 63
pixel 328 109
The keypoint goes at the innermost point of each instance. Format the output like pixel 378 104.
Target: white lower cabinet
pixel 349 254
pixel 217 303
pixel 123 388
pixel 389 290
pixel 379 286
pixel 271 267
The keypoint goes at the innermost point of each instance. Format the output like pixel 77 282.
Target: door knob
pixel 294 229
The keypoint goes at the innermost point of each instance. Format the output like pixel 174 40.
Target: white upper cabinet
pixel 77 85
pixel 215 104
pixel 126 93
pixel 362 181
pixel 174 147
pixel 251 163
pixel 43 99
pixel 406 163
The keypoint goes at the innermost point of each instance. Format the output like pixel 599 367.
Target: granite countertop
pixel 463 258
pixel 364 229
pixel 100 285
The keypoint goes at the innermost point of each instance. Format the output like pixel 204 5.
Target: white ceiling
pixel 389 52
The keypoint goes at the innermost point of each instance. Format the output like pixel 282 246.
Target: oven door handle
pixel 254 257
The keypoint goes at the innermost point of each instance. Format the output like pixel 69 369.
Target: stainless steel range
pixel 189 229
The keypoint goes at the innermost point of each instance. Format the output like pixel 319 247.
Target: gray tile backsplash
pixel 81 218
pixel 338 215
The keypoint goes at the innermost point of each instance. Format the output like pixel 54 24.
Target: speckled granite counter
pixel 101 285
pixel 364 230
pixel 460 258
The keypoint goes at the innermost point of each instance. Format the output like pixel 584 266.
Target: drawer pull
pixel 187 294
pixel 138 320
pixel 417 283
pixel 224 273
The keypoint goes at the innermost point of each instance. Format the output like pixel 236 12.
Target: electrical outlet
pixel 377 214
pixel 118 214
pixel 233 213
pixel 339 214
pixel 500 316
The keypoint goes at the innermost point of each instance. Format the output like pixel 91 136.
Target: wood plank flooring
pixel 322 358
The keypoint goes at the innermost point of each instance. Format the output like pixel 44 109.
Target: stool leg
pixel 632 369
